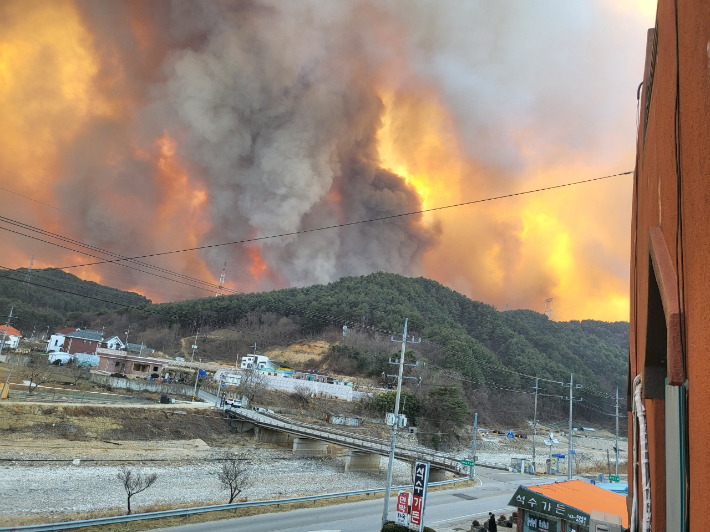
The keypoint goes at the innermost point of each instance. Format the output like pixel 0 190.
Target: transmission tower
pixel 548 306
pixel 29 270
pixel 221 280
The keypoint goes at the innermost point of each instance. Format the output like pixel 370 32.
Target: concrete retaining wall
pixel 142 385
pixel 316 388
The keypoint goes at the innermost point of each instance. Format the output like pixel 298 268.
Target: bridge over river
pixel 363 452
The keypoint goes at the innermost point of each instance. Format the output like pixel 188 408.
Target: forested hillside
pixel 475 339
pixel 52 297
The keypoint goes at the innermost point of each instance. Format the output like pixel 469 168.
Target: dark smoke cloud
pixel 276 110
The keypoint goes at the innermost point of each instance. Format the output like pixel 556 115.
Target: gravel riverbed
pixel 66 488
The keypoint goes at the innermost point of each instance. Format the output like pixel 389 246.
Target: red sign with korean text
pixel 403 502
pixel 417 509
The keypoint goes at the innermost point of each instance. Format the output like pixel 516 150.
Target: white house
pixel 228 377
pixel 114 343
pixel 257 362
pixel 9 336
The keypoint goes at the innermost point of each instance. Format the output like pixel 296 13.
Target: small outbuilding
pixel 114 361
pixel 343 419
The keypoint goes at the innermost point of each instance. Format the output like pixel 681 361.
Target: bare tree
pixel 234 475
pixel 302 396
pixel 252 384
pixel 76 369
pixel 35 368
pixel 134 483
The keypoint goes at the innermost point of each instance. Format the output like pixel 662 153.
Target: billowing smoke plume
pixel 170 124
pixel 275 109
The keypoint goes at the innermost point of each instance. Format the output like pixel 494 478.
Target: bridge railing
pixel 347 439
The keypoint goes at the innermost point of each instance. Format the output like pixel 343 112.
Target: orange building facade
pixel 669 344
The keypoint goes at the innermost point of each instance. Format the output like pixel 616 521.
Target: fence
pixel 141 385
pixel 203 509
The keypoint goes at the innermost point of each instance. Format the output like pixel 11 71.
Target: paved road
pixel 446 510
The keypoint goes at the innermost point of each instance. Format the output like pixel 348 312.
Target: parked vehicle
pixel 232 403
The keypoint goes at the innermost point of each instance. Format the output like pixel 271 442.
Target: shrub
pixel 391 526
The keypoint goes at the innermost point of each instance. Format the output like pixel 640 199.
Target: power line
pixel 359 222
pixel 67 291
pixel 210 286
pixel 31 199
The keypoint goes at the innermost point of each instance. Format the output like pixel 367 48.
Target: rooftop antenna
pixel 29 270
pixel 221 280
pixel 548 307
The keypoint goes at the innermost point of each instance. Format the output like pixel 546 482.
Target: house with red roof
pixel 9 336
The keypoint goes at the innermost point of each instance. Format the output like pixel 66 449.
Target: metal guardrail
pixel 346 439
pixel 204 509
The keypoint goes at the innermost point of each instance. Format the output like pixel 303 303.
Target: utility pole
pixel 616 470
pixel 473 446
pixel 396 417
pixel 537 387
pixel 194 346
pixel 29 271
pixel 221 280
pixel 128 331
pixel 197 377
pixel 552 441
pixel 219 389
pixel 572 386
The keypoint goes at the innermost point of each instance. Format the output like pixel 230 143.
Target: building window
pixel 655 365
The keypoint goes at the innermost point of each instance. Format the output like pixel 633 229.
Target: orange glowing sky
pixel 76 125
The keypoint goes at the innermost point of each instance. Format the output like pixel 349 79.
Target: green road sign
pixel 613 478
pixel 467 462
